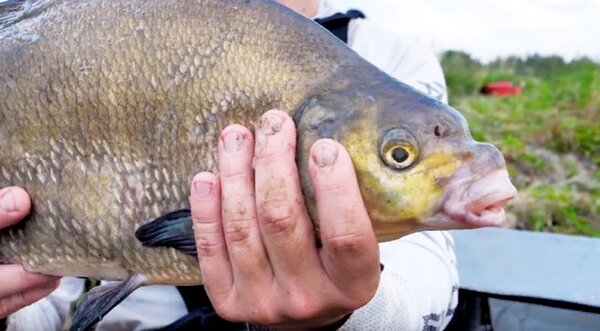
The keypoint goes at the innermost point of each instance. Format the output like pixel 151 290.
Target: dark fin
pixel 100 300
pixel 171 230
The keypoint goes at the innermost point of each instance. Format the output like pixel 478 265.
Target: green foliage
pixel 550 135
pixel 564 209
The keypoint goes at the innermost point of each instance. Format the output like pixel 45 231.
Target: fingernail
pixel 270 124
pixel 202 189
pixel 233 142
pixel 325 154
pixel 8 202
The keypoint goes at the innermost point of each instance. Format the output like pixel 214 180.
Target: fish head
pixel 417 164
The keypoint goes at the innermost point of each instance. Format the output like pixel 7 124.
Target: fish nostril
pixel 440 131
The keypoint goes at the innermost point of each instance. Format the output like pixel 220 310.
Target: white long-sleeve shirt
pixel 419 284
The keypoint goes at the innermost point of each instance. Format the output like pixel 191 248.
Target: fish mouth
pixel 478 204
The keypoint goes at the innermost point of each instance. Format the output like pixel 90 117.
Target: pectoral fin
pixel 102 299
pixel 171 230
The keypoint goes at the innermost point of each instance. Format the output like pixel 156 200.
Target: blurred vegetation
pixel 550 135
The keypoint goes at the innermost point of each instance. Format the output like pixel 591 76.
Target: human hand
pixel 18 287
pixel 258 254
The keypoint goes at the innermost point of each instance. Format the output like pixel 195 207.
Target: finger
pixel 15 302
pixel 350 252
pixel 205 201
pixel 15 280
pixel 285 226
pixel 246 251
pixel 14 205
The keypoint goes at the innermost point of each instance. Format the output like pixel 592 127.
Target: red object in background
pixel 501 88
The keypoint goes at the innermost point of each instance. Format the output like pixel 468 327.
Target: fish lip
pixel 479 204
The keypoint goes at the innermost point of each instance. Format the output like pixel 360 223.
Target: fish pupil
pixel 400 154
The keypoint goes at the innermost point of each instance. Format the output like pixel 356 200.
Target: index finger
pixel 14 205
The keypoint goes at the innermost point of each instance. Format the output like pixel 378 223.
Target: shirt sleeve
pixel 408 59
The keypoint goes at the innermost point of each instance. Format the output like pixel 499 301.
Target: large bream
pixel 108 109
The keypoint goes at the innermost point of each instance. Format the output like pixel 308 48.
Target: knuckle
pixel 267 155
pixel 256 314
pixel 332 188
pixel 352 244
pixel 274 153
pixel 264 315
pixel 202 217
pixel 209 249
pixel 234 174
pixel 277 216
pixel 303 307
pixel 238 230
pixel 209 245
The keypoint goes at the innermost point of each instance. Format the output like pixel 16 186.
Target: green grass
pixel 550 135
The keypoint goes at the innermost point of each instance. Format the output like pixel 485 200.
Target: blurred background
pixel 526 74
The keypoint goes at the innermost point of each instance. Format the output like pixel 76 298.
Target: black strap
pixel 338 23
pixel 202 315
pixel 193 296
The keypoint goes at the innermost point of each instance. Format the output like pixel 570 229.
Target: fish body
pixel 108 109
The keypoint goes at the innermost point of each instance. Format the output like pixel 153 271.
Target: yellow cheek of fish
pixel 397 201
pixel 419 190
pixel 401 196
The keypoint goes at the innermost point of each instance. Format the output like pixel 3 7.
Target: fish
pixel 109 108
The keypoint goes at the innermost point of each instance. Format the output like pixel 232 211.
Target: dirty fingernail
pixel 203 189
pixel 8 203
pixel 270 124
pixel 325 154
pixel 233 141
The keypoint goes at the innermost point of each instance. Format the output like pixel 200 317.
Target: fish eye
pixel 399 157
pixel 400 154
pixel 398 149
